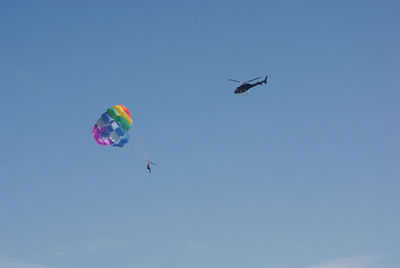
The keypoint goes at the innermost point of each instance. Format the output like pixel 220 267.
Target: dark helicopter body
pixel 246 85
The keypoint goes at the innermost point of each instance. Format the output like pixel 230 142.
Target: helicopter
pixel 246 85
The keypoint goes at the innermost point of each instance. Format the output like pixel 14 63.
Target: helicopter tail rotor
pixel 265 80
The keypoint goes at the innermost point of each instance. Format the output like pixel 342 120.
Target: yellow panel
pixel 123 114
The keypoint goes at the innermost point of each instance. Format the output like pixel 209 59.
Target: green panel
pixel 113 112
pixel 124 123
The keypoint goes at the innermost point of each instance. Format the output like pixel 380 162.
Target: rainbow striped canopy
pixel 112 127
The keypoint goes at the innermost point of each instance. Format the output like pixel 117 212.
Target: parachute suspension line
pixel 140 145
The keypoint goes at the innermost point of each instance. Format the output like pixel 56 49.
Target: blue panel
pixel 106 132
pixel 110 128
pixel 118 144
pixel 120 131
pixel 122 141
pixel 106 118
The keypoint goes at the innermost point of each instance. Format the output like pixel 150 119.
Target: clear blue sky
pixel 303 172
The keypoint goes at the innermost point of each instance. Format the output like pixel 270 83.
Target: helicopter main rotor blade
pixel 235 81
pixel 253 79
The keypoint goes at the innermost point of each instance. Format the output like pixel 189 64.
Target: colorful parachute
pixel 112 127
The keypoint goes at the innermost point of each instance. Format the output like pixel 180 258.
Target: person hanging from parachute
pixel 149 163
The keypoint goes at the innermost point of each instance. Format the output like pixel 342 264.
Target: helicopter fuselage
pixel 246 86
